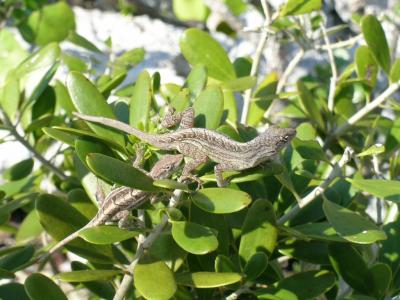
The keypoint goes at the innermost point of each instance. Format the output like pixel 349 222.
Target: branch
pixel 335 172
pixel 35 154
pixel 332 86
pixel 127 281
pixel 366 109
pixel 256 62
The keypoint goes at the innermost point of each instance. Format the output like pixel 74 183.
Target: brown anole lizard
pixel 122 199
pixel 202 144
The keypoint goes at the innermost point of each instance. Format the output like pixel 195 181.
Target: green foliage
pixel 309 206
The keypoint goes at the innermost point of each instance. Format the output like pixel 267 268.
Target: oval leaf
pixel 119 172
pixel 87 275
pixel 154 280
pixel 193 237
pixel 40 287
pixel 350 225
pixel 259 231
pixel 141 102
pixel 199 47
pixel 221 200
pixel 376 41
pixel 385 189
pixel 209 107
pixel 207 279
pixel 88 100
pixel 104 235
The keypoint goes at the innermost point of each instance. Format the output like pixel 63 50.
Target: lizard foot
pixel 192 178
pixel 131 223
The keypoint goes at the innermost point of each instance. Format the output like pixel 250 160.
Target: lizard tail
pixel 146 137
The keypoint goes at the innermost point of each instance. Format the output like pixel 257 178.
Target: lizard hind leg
pixel 189 167
pixel 218 169
pixel 185 119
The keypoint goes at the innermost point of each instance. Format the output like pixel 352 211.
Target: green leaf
pixel 36 71
pixel 366 64
pixel 104 235
pixel 81 41
pixel 194 238
pixel 299 7
pixel 315 252
pixel 221 200
pixel 119 172
pixel 239 84
pixel 88 100
pixel 309 149
pixel 305 132
pixel 376 41
pixel 223 264
pixel 29 229
pixel 385 189
pixel 262 98
pixel 128 59
pixel 207 279
pixel 12 53
pixel 60 219
pixel 190 10
pixel 209 107
pixel 12 291
pixel 305 285
pixel 395 71
pixel 171 184
pixel 141 102
pixel 382 277
pixel 310 105
pixel 52 23
pixel 389 251
pixel 40 287
pixel 256 265
pixel 259 231
pixel 17 258
pixel 19 170
pixel 196 80
pixel 102 288
pixel 199 47
pixel 87 275
pixel 106 87
pixel 322 231
pixel 63 100
pixel 350 265
pixel 373 150
pixel 165 248
pixel 5 274
pixel 350 225
pixel 154 280
pixel 59 135
pixel 86 145
pixel 10 97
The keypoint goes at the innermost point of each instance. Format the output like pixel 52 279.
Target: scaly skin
pixel 202 144
pixel 124 198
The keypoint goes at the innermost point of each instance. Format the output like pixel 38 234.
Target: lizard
pixel 202 144
pixel 122 199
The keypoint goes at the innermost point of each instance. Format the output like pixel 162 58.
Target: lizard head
pixel 273 140
pixel 166 166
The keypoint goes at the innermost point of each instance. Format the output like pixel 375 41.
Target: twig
pixel 335 172
pixel 366 109
pixel 36 154
pixel 143 246
pixel 342 44
pixel 256 62
pixel 243 289
pixel 332 86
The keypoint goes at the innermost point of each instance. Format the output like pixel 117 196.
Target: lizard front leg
pixel 185 119
pixel 189 167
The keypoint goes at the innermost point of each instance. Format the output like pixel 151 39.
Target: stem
pixel 366 109
pixel 282 81
pixel 342 44
pixel 143 246
pixel 332 86
pixel 35 154
pixel 243 289
pixel 256 62
pixel 335 172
